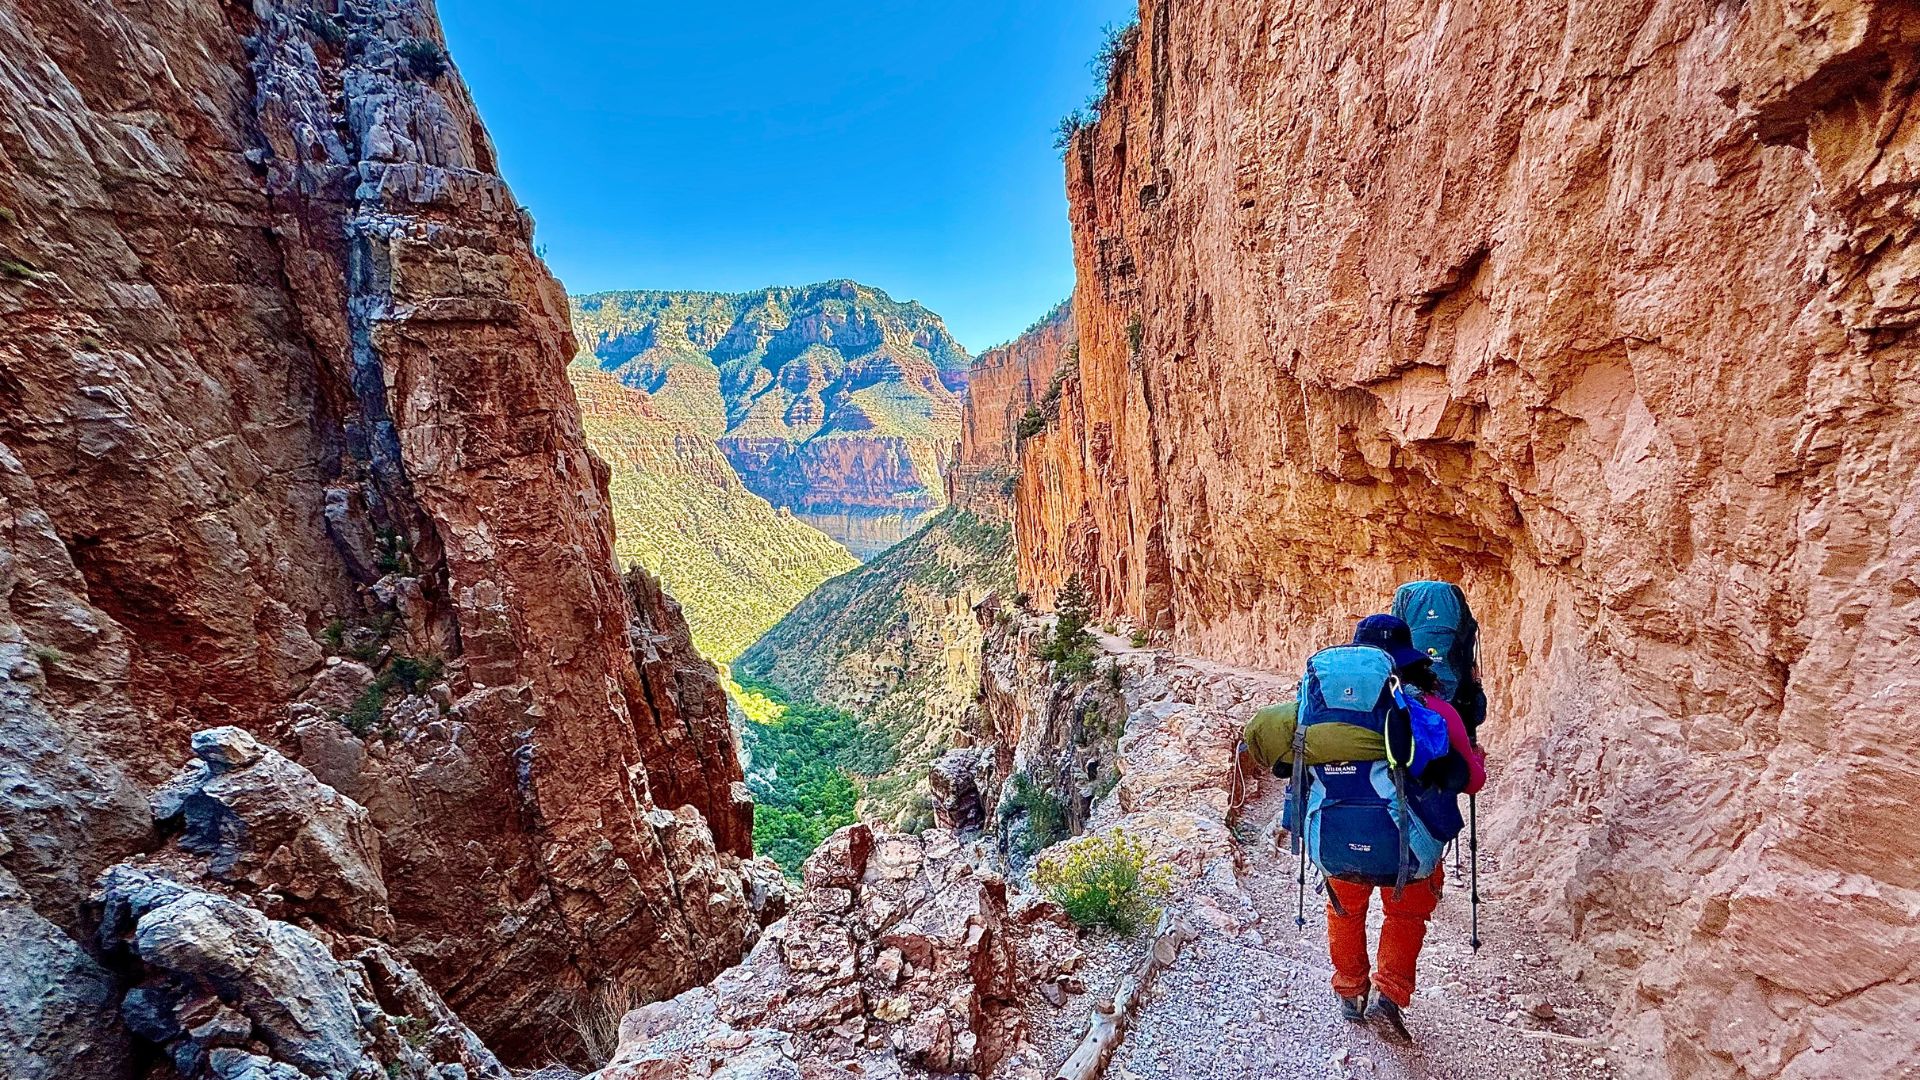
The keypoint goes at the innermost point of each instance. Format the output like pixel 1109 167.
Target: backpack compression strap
pixel 1299 795
pixel 1397 771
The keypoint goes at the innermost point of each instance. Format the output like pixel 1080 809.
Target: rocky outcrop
pixel 1608 314
pixel 834 400
pixel 1002 385
pixel 1145 748
pixel 283 378
pixel 243 960
pixel 734 560
pixel 691 750
pixel 266 824
pixel 904 958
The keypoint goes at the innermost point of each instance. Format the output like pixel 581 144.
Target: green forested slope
pixel 895 645
pixel 734 561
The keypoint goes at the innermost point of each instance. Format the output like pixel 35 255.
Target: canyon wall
pixel 1606 312
pixel 1002 385
pixel 286 444
pixel 834 400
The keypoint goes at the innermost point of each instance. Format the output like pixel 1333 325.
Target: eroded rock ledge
pixel 904 957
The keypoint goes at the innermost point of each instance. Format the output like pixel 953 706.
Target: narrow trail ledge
pixel 1251 997
pixel 911 956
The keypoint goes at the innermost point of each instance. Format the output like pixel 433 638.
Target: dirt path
pixel 1257 1004
pixel 1253 1000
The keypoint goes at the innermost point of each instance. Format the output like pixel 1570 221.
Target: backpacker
pixel 1363 825
pixel 1359 816
pixel 1444 628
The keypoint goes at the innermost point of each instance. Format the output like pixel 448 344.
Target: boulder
pixel 954 786
pixel 266 824
pixel 225 991
pixel 902 956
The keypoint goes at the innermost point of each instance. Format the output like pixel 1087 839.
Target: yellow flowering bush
pixel 1108 880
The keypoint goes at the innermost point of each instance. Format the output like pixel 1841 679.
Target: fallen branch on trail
pixel 1108 1024
pixel 1554 1036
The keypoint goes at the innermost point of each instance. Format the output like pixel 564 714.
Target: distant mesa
pixel 833 401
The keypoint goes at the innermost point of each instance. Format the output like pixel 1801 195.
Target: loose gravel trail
pixel 1255 1002
pixel 1258 1004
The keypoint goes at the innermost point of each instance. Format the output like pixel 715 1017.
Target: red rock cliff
pixel 280 366
pixel 1001 385
pixel 1606 311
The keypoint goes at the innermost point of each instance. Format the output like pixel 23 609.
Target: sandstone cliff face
pixel 833 400
pixel 281 372
pixel 1606 312
pixel 1001 385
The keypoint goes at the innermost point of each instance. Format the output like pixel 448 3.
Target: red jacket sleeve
pixel 1457 735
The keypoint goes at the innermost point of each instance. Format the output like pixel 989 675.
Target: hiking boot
pixel 1354 1008
pixel 1388 1014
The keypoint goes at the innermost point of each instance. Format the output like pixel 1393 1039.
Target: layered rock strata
pixel 833 400
pixel 1607 313
pixel 283 419
pixel 736 562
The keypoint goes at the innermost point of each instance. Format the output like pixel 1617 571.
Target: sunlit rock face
pixel 1003 385
pixel 282 405
pixel 834 401
pixel 1606 312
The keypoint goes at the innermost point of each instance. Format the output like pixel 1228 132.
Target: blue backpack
pixel 1444 628
pixel 1363 819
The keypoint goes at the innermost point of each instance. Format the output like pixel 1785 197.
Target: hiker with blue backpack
pixel 1378 752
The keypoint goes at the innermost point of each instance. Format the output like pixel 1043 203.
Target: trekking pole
pixel 1297 799
pixel 1300 910
pixel 1473 846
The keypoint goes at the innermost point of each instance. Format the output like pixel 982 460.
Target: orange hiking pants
pixel 1400 938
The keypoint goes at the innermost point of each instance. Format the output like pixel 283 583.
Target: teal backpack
pixel 1444 628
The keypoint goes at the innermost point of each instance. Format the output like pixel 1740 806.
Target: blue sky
pixel 732 145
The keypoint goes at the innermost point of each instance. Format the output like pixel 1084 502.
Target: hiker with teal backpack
pixel 1376 755
pixel 1441 624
